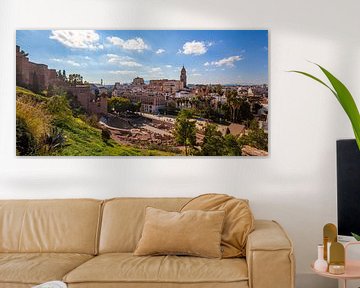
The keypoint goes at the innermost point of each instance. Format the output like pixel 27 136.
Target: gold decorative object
pixel 330 236
pixel 337 258
pixel 336 269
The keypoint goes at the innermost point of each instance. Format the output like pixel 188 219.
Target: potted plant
pixel 357 237
pixel 345 99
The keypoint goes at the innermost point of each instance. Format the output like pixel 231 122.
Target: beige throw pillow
pixel 194 232
pixel 239 220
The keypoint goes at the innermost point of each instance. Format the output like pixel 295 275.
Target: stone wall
pixel 33 75
pixel 91 103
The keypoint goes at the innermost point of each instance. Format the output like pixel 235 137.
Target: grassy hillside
pixel 42 120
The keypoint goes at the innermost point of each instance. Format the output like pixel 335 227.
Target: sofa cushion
pixel 15 285
pixel 239 220
pixel 126 268
pixel 237 284
pixel 36 268
pixel 123 220
pixel 63 226
pixel 194 232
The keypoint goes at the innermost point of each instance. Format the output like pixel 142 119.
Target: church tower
pixel 183 76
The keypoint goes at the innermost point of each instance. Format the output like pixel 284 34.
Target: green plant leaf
pixel 347 102
pixel 316 79
pixel 356 236
pixel 344 97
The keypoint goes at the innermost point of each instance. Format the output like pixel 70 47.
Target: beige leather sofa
pixel 89 243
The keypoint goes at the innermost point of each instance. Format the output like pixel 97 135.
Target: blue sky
pixel 209 56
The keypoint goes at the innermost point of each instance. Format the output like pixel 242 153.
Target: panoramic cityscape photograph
pixel 142 93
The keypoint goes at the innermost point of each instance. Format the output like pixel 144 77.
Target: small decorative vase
pixel 320 264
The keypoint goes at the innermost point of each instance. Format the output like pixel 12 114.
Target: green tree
pixel 59 107
pixel 234 103
pixel 185 130
pixel 105 135
pixel 64 75
pixel 232 146
pixel 213 143
pixel 119 104
pixel 256 137
pixel 171 108
pixel 245 111
pixel 218 89
pixel 75 79
pixel 135 107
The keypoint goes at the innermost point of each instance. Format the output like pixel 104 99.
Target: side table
pixel 352 268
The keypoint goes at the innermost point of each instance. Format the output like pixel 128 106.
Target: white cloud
pixel 196 74
pixel 122 60
pixel 229 62
pixel 73 63
pixel 70 62
pixel 194 47
pixel 136 44
pixel 156 69
pixel 123 72
pixel 160 51
pixel 168 66
pixel 80 39
pixel 130 64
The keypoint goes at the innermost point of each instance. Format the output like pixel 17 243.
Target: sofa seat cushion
pixel 36 268
pixel 49 226
pixel 242 284
pixel 127 268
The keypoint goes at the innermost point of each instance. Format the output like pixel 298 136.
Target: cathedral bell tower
pixel 183 76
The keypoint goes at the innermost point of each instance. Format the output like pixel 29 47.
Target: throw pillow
pixel 238 224
pixel 196 233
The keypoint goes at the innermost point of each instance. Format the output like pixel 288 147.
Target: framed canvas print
pixel 142 93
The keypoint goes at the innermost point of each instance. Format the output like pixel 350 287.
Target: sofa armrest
pixel 269 256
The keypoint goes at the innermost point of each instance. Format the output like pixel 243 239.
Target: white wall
pixel 296 185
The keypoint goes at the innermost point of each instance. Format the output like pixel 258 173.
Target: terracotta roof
pixel 251 151
pixel 236 129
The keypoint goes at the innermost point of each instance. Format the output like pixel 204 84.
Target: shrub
pixel 105 134
pixel 59 107
pixel 25 140
pixel 34 115
pixel 52 140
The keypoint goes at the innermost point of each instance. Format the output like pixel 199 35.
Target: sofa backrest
pixel 67 226
pixel 123 220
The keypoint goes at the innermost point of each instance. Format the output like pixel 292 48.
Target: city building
pixel 150 103
pixel 183 76
pixel 165 85
pixel 138 81
pixel 117 85
pixel 98 89
pixel 92 103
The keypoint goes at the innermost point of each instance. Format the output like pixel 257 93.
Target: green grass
pixel 20 92
pixel 83 139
